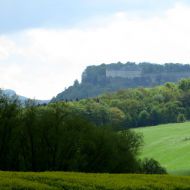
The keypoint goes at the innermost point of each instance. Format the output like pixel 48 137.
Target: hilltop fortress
pixel 169 72
pixel 123 73
pixel 116 76
pixel 139 73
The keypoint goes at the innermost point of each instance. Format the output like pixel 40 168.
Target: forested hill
pixel 112 77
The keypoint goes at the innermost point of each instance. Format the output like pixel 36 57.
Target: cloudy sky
pixel 46 44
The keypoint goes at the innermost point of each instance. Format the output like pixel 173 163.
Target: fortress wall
pixel 123 74
pixel 173 75
pixel 138 73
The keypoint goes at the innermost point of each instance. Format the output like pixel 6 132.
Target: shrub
pixel 181 118
pixel 151 166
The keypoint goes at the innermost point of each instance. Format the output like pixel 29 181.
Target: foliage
pixel 137 107
pixel 181 118
pixel 55 137
pixel 184 85
pixel 151 166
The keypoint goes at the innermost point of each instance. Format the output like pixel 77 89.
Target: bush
pixel 151 166
pixel 181 118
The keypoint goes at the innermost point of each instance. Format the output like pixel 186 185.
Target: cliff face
pixel 113 77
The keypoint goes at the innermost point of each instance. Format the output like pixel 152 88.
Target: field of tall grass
pixel 81 181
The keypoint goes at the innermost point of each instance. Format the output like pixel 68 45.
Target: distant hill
pixel 22 99
pixel 112 77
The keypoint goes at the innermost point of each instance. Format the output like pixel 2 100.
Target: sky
pixel 46 44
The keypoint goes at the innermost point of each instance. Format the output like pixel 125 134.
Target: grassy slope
pixel 79 181
pixel 170 145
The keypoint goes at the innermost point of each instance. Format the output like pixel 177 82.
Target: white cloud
pixel 42 62
pixel 6 47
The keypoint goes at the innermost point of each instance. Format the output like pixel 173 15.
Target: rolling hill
pixel 170 145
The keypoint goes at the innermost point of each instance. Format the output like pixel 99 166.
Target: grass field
pixel 79 181
pixel 170 145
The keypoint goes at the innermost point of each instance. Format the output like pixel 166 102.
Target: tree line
pixel 138 107
pixel 56 138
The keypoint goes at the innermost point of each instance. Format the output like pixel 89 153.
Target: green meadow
pixel 170 145
pixel 81 181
